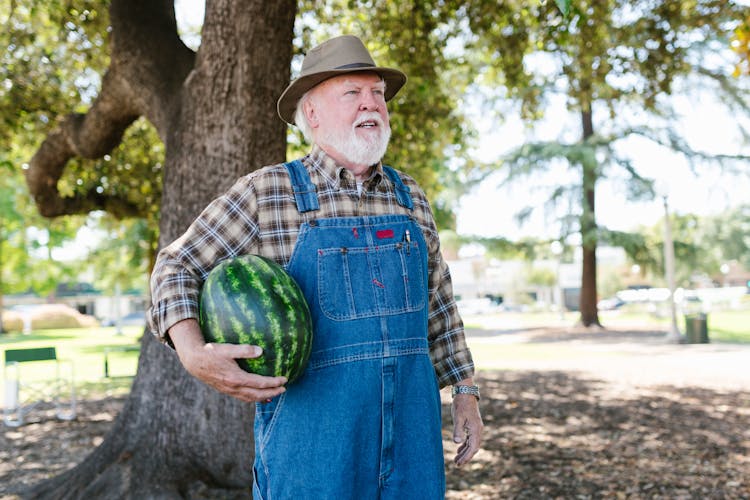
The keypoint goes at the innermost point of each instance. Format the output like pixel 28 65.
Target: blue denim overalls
pixel 364 420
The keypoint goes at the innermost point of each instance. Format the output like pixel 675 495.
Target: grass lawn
pixel 492 353
pixel 85 349
pixel 729 326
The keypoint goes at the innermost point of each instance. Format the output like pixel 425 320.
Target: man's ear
pixel 308 107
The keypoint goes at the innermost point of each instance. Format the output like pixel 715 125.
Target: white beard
pixel 358 150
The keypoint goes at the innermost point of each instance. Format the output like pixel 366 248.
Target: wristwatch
pixel 466 389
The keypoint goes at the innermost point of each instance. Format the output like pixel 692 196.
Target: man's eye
pixel 352 92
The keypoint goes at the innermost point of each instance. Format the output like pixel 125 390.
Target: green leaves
pixel 564 6
pixel 53 55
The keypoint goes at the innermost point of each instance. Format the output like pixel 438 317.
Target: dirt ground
pixel 553 429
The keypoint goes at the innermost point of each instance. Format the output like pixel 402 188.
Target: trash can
pixel 696 328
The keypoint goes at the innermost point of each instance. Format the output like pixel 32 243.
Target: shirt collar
pixel 337 175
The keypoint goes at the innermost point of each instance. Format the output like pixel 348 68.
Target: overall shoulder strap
pixel 305 193
pixel 403 195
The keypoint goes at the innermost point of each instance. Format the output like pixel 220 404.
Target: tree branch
pixel 148 65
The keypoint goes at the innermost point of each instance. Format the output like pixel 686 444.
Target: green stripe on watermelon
pixel 211 322
pixel 248 326
pixel 278 282
pixel 271 279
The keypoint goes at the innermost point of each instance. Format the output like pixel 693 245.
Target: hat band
pixel 355 65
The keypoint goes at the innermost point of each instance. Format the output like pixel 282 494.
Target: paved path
pixel 626 357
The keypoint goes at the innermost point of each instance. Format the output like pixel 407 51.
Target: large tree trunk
pixel 588 297
pixel 216 112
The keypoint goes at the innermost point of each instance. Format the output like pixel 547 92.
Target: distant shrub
pixel 47 316
pixel 12 321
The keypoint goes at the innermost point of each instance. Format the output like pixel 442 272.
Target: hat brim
pixel 287 103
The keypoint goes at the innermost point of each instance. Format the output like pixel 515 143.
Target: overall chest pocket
pixel 363 282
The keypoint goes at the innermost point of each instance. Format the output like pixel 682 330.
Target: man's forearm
pixel 186 335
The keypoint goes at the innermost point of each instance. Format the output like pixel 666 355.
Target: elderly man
pixel 360 239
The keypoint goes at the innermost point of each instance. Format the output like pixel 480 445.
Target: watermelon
pixel 252 300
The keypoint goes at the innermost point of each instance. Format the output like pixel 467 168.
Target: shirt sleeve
pixel 227 227
pixel 449 352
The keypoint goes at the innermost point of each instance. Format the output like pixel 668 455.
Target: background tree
pixel 645 247
pixel 27 240
pixel 53 55
pixel 726 238
pixel 615 63
pixel 10 222
pixel 741 45
pixel 702 245
pixel 214 110
pixel 125 256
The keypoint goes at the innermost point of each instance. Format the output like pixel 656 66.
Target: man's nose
pixel 369 102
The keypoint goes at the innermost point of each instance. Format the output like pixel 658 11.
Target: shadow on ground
pixel 556 435
pixel 548 435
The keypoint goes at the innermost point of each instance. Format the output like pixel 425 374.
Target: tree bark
pixel 216 112
pixel 588 297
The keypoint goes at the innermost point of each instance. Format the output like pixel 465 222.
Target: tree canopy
pixel 53 60
pixel 610 57
pixel 615 63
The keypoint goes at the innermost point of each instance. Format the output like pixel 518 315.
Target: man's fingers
pixel 250 387
pixel 467 450
pixel 470 440
pixel 251 395
pixel 467 427
pixel 237 351
pixel 216 365
pixel 236 377
pixel 265 382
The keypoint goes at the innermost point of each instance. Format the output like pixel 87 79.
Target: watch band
pixel 466 389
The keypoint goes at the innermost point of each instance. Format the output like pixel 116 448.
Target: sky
pixel 489 209
pixel 706 126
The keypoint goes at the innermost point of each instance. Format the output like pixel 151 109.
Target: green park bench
pixel 108 351
pixel 23 393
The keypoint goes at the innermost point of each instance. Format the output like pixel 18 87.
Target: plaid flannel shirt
pixel 258 215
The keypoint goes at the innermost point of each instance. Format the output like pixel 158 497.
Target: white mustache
pixel 369 116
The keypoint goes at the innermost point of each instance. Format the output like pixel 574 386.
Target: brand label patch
pixel 384 234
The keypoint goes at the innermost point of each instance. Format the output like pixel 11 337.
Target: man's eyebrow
pixel 351 83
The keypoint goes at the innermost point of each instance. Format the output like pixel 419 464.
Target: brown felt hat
pixel 337 56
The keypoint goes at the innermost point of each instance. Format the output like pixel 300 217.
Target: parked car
pixel 476 306
pixel 132 319
pixel 610 304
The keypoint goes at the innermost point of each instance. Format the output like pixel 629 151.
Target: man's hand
pixel 467 426
pixel 216 365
